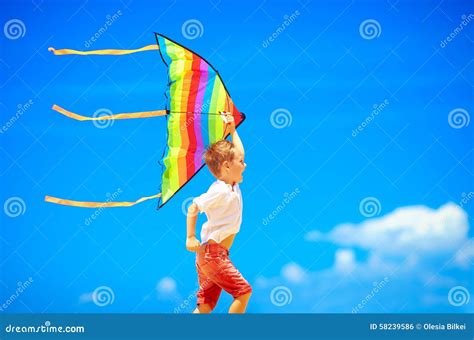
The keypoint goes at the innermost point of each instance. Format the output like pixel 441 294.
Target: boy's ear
pixel 225 164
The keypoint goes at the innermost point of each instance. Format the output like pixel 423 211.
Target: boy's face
pixel 236 167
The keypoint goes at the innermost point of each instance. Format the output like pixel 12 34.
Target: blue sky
pixel 358 195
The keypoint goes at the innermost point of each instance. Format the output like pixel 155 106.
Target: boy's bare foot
pixel 202 309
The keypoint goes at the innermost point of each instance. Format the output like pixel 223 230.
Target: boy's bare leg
pixel 240 304
pixel 203 308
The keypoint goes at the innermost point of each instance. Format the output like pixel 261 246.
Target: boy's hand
pixel 230 121
pixel 192 244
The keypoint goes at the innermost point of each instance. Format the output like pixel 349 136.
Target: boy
pixel 222 204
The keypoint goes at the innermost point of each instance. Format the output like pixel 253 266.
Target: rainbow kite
pixel 196 97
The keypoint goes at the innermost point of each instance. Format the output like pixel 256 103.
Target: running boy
pixel 222 204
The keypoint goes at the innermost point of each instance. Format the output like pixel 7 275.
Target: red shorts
pixel 217 272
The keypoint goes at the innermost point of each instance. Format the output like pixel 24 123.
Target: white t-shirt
pixel 222 204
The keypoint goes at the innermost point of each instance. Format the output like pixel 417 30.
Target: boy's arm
pixel 233 133
pixel 192 243
pixel 237 142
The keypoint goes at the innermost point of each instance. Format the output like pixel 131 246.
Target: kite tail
pixel 82 204
pixel 128 115
pixel 143 114
pixel 103 52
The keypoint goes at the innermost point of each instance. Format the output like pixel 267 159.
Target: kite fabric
pixel 195 98
pixel 195 88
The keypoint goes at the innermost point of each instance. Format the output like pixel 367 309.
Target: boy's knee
pixel 245 296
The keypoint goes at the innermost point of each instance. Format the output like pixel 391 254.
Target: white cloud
pixel 166 285
pixel 344 261
pixel 465 255
pixel 404 230
pixel 314 235
pixel 419 252
pixel 293 273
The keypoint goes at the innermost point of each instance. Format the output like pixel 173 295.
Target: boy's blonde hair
pixel 218 153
